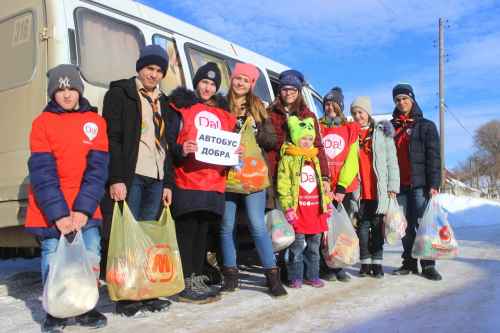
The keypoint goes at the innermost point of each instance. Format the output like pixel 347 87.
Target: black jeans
pixel 370 233
pixel 192 230
pixel 414 201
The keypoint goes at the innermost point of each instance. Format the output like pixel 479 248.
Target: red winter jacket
pixel 68 167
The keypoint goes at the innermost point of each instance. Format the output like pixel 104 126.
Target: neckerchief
pixel 157 120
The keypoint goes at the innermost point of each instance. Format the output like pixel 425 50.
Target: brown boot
pixel 230 282
pixel 274 283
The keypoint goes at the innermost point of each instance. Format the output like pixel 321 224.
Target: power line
pixel 458 121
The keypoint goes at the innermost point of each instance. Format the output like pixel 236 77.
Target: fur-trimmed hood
pixel 184 98
pixel 386 127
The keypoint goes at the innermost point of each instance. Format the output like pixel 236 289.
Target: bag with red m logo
pixel 143 257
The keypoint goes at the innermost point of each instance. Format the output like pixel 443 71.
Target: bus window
pixel 198 58
pixel 260 89
pixel 107 48
pixel 17 37
pixel 318 104
pixel 174 77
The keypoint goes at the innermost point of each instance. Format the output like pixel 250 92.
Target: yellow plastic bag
pixel 143 257
pixel 251 175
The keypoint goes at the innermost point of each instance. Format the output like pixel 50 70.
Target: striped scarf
pixel 157 120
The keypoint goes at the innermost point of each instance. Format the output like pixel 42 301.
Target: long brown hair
pixel 253 105
pixel 294 108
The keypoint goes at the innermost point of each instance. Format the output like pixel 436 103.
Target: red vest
pixel 192 174
pixel 337 141
pixel 366 171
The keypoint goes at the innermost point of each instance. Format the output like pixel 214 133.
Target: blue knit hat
pixel 292 78
pixel 403 89
pixel 152 55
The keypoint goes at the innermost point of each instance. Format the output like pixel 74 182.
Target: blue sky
pixel 367 46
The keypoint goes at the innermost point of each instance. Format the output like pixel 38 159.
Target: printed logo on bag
pixel 334 145
pixel 445 234
pixel 90 129
pixel 308 179
pixel 160 266
pixel 207 119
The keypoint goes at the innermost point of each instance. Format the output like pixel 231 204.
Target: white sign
pixel 217 146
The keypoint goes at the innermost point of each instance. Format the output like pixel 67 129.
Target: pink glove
pixel 291 216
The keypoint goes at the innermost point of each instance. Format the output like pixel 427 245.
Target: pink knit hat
pixel 248 70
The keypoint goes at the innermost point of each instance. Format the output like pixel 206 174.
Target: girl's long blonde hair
pixel 253 105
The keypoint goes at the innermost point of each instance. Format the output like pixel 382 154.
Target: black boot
pixel 156 305
pixel 408 267
pixel 53 324
pixel 364 270
pixel 92 319
pixel 193 294
pixel 377 271
pixel 341 275
pixel 431 273
pixel 276 289
pixel 129 308
pixel 230 283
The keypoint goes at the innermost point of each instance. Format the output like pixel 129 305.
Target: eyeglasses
pixel 289 90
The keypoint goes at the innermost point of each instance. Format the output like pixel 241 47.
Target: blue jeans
pixel 48 247
pixel 304 250
pixel 414 201
pixel 144 197
pixel 370 233
pixel 255 205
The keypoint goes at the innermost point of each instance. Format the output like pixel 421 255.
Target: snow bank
pixel 467 211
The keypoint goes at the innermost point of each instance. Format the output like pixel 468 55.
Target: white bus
pixel 102 37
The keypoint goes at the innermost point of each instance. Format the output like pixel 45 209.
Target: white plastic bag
pixel 71 286
pixel 394 223
pixel 340 242
pixel 282 234
pixel 435 239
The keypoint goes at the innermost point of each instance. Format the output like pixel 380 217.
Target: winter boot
pixel 129 308
pixel 276 289
pixel 53 324
pixel 199 284
pixel 341 275
pixel 92 319
pixel 431 273
pixel 316 283
pixel 377 271
pixel 365 270
pixel 408 267
pixel 190 294
pixel 156 305
pixel 230 283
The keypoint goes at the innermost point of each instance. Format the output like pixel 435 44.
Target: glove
pixel 291 216
pixel 329 211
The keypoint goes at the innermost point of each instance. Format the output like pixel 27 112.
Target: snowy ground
pixel 467 300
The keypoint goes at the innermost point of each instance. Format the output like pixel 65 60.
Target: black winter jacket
pixel 189 201
pixel 122 111
pixel 425 156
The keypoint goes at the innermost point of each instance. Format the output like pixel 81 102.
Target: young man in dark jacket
pixel 140 169
pixel 417 143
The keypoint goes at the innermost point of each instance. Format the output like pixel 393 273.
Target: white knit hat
pixel 364 103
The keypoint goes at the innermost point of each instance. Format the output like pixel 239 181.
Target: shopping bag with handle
pixel 143 257
pixel 340 243
pixel 251 175
pixel 282 233
pixel 71 286
pixel 394 223
pixel 435 239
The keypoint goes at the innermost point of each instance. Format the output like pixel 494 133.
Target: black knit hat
pixel 335 95
pixel 403 89
pixel 152 55
pixel 209 71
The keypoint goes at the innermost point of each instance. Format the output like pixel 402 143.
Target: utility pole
pixel 441 100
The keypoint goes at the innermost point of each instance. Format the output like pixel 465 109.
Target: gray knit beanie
pixel 62 77
pixel 363 102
